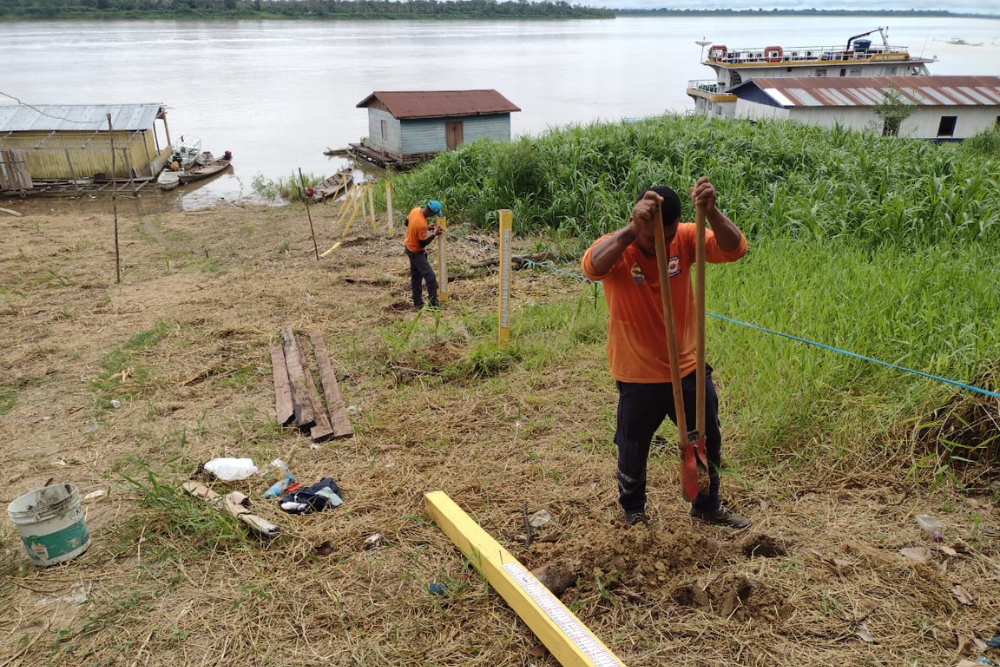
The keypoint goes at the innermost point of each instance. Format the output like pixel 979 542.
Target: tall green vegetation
pixel 985 144
pixel 780 180
pixel 882 246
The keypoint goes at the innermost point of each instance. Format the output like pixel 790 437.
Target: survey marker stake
pixel 569 641
pixel 312 232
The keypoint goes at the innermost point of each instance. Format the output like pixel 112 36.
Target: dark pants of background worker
pixel 641 410
pixel 421 271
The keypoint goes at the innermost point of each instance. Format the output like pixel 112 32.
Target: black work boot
pixel 723 516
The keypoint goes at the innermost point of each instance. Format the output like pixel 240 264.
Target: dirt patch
pixel 764 546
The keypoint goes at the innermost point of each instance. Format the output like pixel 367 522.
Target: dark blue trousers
pixel 641 410
pixel 421 272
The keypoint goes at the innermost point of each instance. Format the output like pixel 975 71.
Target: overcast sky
pixel 971 6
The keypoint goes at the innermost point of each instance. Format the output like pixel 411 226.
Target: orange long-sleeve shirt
pixel 416 230
pixel 637 341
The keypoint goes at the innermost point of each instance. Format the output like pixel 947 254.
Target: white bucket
pixel 51 524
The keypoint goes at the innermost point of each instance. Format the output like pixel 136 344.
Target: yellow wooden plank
pixel 569 641
pixel 443 260
pixel 388 205
pixel 506 224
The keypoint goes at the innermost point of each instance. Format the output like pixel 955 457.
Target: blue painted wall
pixel 428 135
pixel 393 141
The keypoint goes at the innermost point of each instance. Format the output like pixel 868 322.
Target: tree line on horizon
pixel 667 11
pixel 296 9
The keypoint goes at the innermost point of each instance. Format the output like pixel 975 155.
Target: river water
pixel 277 94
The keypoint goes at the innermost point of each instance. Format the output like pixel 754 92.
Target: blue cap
pixel 435 207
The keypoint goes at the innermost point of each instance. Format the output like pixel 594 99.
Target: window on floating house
pixel 947 126
pixel 384 132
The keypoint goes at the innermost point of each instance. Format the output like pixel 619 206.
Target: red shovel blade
pixel 689 471
pixel 694 469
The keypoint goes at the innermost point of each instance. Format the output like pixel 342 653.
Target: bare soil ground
pixel 183 343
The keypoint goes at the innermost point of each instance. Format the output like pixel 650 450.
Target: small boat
pixel 334 186
pixel 168 180
pixel 185 151
pixel 198 172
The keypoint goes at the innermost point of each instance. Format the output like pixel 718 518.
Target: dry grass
pixel 183 343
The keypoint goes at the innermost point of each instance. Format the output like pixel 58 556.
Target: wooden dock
pixel 385 160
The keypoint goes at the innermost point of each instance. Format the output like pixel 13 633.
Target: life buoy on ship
pixel 773 54
pixel 717 52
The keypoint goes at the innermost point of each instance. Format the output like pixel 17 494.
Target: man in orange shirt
pixel 625 262
pixel 418 235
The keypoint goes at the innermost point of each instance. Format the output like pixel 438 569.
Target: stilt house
pixel 406 127
pixel 72 143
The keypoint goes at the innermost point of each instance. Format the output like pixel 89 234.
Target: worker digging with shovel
pixel 656 333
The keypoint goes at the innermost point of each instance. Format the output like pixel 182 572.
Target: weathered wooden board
pixel 338 411
pixel 322 431
pixel 284 413
pixel 302 406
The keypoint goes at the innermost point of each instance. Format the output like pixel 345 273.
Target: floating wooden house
pixel 942 108
pixel 70 145
pixel 407 127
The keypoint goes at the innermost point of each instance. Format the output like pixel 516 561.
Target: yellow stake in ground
pixel 569 641
pixel 506 224
pixel 443 260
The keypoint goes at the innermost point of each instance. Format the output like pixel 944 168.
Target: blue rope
pixel 961 385
pixel 830 348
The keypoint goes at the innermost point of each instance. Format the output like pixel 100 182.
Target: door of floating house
pixel 409 126
pixel 453 133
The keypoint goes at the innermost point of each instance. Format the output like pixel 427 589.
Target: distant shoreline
pixel 897 13
pixel 576 12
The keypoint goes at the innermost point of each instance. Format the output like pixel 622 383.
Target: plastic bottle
pixel 282 484
pixel 930 525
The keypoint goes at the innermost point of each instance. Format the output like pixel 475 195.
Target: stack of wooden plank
pixel 295 396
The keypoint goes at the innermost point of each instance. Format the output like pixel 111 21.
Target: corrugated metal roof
pixel 438 103
pixel 78 117
pixel 869 90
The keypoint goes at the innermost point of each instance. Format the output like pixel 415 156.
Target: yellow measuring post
pixel 506 224
pixel 371 204
pixel 569 641
pixel 354 213
pixel 388 204
pixel 347 200
pixel 443 260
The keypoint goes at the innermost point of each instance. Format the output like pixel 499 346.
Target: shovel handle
pixel 699 309
pixel 668 323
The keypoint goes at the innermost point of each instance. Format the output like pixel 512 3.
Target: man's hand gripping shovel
pixel 694 462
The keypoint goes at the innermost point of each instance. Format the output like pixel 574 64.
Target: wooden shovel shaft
pixel 668 323
pixel 699 308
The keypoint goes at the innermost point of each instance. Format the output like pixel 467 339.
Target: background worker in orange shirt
pixel 418 235
pixel 625 262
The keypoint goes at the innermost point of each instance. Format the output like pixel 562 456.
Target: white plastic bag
pixel 231 470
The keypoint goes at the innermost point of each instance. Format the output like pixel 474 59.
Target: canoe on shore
pixel 197 173
pixel 334 186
